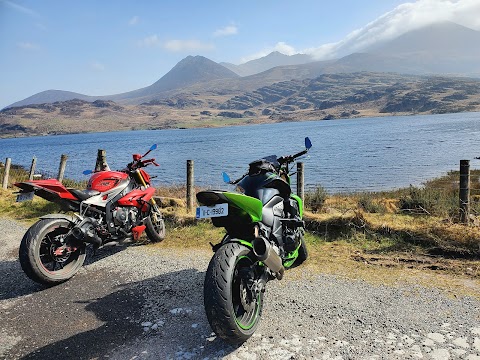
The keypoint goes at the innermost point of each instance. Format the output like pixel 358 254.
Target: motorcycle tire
pixel 232 316
pixel 37 257
pixel 155 226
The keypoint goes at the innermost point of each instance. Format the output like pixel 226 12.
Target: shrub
pixel 316 198
pixel 370 203
pixel 432 201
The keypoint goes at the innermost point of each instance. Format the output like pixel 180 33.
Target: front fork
pixel 153 214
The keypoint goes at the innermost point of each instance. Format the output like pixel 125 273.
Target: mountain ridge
pixel 200 73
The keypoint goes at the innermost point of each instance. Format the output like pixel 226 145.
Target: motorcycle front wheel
pixel 233 309
pixel 155 225
pixel 45 257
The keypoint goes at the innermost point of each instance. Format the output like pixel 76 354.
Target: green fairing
pixel 244 242
pixel 290 258
pixel 300 204
pixel 251 205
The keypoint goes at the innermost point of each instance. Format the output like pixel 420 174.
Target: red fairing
pixel 145 176
pixel 133 197
pixel 52 185
pixel 106 180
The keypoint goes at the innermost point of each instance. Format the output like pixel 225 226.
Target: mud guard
pixel 69 218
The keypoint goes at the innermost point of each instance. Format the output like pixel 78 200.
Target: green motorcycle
pixel 264 236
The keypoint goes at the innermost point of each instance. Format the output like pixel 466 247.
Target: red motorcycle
pixel 116 206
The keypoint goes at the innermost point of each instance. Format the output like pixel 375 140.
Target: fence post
pixel 61 168
pixel 6 173
pixel 464 191
pixel 32 168
pixel 300 181
pixel 190 190
pixel 101 163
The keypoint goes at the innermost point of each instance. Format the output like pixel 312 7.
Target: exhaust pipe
pixel 85 232
pixel 264 252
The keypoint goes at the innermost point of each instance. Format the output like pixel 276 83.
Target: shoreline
pixel 214 123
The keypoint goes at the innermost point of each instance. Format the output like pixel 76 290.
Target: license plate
pixel 217 210
pixel 25 196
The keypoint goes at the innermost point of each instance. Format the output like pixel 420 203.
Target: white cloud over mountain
pixel 403 18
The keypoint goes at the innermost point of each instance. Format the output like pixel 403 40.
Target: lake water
pixel 347 155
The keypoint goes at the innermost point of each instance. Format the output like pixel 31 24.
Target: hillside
pixel 329 96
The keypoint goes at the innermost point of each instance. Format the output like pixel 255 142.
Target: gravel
pixel 146 302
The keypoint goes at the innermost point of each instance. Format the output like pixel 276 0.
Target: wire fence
pixel 444 196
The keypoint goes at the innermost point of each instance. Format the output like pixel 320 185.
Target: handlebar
pixel 141 163
pixel 289 158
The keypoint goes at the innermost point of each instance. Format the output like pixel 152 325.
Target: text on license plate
pixel 25 196
pixel 217 210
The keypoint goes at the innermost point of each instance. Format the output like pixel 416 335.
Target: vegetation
pixel 415 227
pixel 315 199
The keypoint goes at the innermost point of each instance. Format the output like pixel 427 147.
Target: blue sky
pixel 108 47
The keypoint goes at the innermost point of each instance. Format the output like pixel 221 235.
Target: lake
pixel 347 155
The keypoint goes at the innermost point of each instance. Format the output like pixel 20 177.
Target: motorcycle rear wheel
pixel 155 225
pixel 37 253
pixel 233 311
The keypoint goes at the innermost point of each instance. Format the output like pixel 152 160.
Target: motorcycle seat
pixel 84 194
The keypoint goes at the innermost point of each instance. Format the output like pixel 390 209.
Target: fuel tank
pixel 105 180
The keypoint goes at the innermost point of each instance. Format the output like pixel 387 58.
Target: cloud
pixel 154 41
pixel 403 18
pixel 150 41
pixel 226 31
pixel 134 20
pixel 20 8
pixel 27 45
pixel 281 47
pixel 187 45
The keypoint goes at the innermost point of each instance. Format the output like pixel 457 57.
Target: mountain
pixel 51 96
pixel 437 49
pixel 328 96
pixel 267 62
pixel 438 39
pixel 189 71
pixel 440 48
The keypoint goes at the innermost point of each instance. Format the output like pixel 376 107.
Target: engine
pixel 293 229
pixel 125 217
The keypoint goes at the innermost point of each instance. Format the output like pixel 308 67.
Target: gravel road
pixel 145 302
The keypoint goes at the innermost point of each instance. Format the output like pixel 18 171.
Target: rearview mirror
pixel 226 177
pixel 308 143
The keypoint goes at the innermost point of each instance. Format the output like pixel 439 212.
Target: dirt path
pixel 145 302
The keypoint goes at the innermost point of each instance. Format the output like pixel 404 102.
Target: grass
pixel 364 235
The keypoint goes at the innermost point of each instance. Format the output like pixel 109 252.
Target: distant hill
pixel 439 49
pixel 328 96
pixel 272 60
pixel 51 96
